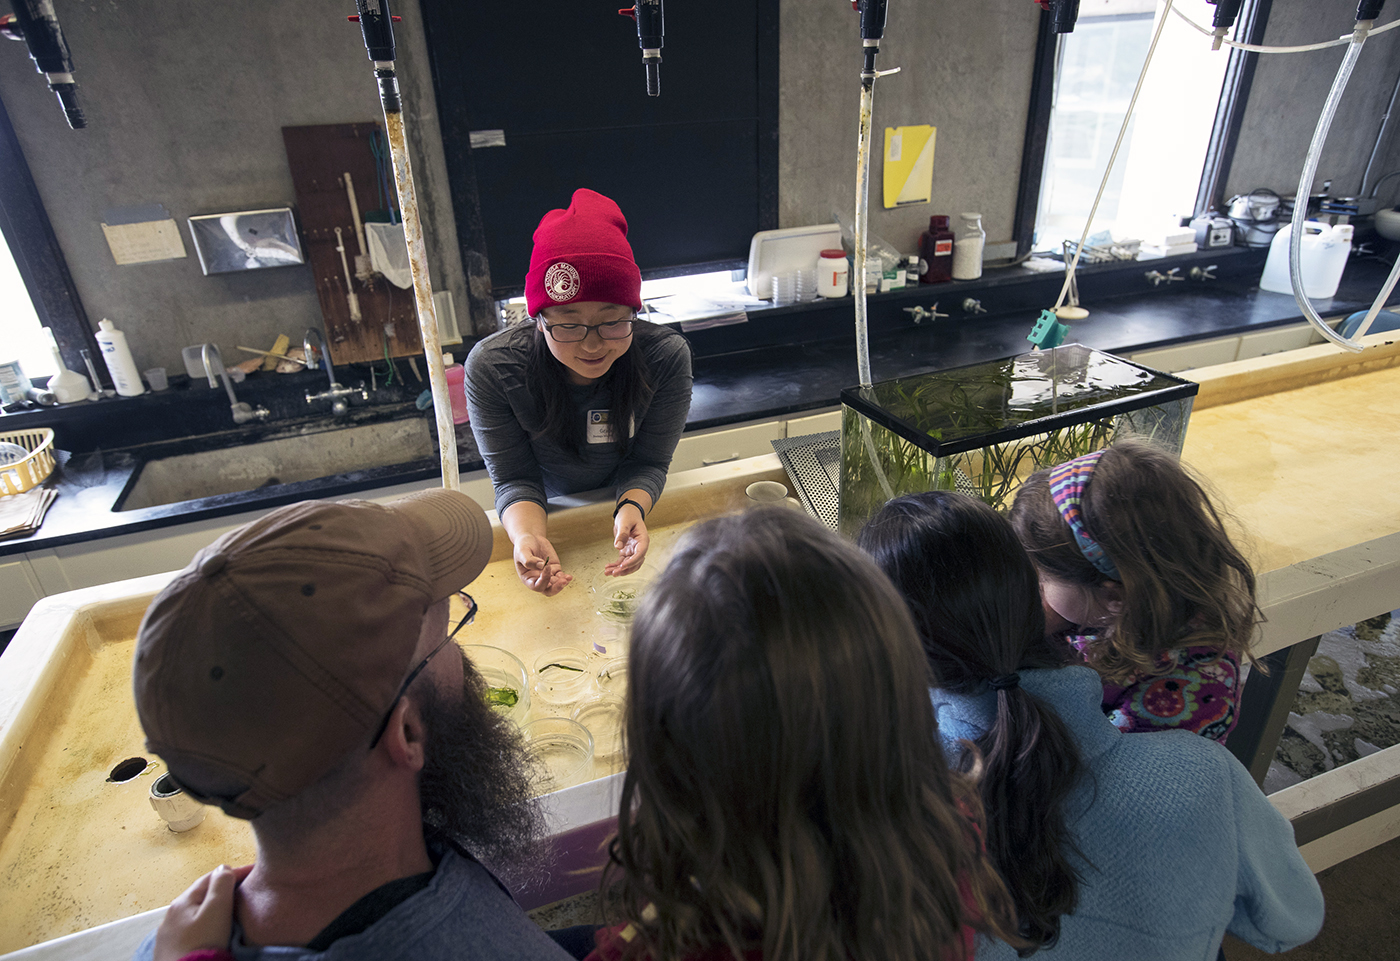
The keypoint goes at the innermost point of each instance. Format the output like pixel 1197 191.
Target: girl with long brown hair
pixel 1113 846
pixel 1140 576
pixel 783 798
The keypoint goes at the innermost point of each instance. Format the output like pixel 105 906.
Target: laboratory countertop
pixel 782 361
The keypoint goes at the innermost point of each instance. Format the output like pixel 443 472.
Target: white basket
pixel 33 470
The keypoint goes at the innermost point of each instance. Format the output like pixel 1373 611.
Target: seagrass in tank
pixel 985 428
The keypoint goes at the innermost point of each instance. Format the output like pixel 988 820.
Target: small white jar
pixel 833 273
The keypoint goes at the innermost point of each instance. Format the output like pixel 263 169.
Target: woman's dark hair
pixel 783 793
pixel 976 605
pixel 1184 582
pixel 629 377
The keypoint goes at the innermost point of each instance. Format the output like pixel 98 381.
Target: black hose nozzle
pixel 377 24
pixel 1225 13
pixel 1063 15
pixel 37 23
pixel 1369 9
pixel 873 14
pixel 651 37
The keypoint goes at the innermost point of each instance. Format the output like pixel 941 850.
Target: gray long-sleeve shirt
pixel 508 421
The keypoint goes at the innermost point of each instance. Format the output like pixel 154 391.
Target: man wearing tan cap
pixel 298 673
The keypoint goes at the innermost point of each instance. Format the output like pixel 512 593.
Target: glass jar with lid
pixel 969 239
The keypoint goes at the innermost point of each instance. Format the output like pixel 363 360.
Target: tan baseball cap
pixel 282 644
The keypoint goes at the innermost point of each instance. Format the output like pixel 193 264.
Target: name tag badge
pixel 600 431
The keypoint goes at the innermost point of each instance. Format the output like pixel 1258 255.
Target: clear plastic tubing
pixel 1300 204
pixel 862 228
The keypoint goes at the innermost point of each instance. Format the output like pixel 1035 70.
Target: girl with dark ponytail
pixel 981 623
pixel 1112 846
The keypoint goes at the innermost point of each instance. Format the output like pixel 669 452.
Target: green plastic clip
pixel 1048 332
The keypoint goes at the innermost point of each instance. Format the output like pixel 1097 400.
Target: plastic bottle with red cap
pixel 833 273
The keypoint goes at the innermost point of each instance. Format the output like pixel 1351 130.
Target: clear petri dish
pixel 603 716
pixel 507 684
pixel 563 750
pixel 616 598
pixel 612 677
pixel 562 678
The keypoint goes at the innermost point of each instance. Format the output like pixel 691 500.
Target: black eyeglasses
pixel 578 333
pixel 413 674
pixel 468 617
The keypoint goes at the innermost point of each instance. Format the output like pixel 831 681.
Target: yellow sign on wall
pixel 909 165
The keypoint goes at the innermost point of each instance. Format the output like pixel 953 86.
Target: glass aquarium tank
pixel 983 429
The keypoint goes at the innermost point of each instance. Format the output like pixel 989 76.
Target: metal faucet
pixel 922 313
pixel 337 393
pixel 1170 277
pixel 214 368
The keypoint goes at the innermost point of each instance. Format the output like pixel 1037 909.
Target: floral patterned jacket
pixel 1201 693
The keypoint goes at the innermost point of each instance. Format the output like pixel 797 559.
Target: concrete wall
pixel 964 67
pixel 185 104
pixel 1288 94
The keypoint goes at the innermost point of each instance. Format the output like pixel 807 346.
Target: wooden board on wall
pixel 319 157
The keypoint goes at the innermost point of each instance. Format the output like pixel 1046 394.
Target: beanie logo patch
pixel 561 282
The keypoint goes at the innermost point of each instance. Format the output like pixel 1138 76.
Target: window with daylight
pixel 22 337
pixel 1159 167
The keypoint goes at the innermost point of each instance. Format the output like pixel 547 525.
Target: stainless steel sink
pixel 284 460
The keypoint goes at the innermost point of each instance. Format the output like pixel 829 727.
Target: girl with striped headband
pixel 1138 574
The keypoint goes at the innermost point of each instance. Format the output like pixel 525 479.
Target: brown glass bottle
pixel 936 251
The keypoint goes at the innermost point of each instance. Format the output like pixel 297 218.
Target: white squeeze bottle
pixel 125 377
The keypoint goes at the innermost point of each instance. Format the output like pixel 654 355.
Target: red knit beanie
pixel 582 254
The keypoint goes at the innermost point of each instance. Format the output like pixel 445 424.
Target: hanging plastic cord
pixel 872 30
pixel 1301 48
pixel 1300 208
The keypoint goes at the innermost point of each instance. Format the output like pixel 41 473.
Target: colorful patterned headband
pixel 1067 485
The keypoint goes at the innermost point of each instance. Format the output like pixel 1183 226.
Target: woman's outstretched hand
pixel 631 539
pixel 537 565
pixel 202 917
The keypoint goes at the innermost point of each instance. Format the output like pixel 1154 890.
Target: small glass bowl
pixel 507 684
pixel 563 677
pixel 616 598
pixel 563 749
pixel 612 677
pixel 603 716
pixel 610 638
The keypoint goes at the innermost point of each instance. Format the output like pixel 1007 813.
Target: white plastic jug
pixel 1324 257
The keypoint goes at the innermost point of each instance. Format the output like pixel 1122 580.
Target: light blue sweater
pixel 1182 843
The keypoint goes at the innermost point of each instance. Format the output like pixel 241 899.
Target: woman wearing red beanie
pixel 584 396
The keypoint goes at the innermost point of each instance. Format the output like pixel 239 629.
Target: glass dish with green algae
pixel 617 598
pixel 507 683
pixel 983 429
